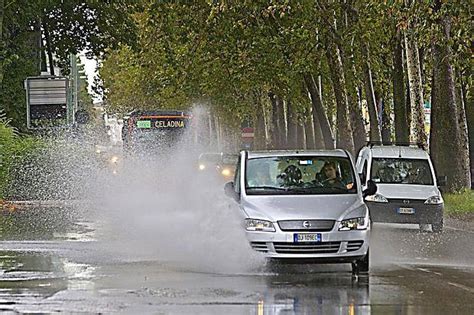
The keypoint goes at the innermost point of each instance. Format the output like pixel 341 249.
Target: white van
pixel 407 186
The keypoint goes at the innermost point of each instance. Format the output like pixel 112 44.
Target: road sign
pixel 46 101
pixel 247 132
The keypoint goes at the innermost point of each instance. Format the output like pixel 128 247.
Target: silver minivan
pixel 303 206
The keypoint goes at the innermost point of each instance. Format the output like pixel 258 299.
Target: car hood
pixel 404 191
pixel 323 207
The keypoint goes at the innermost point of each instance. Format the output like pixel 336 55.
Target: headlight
pixel 259 225
pixel 225 172
pixel 202 166
pixel 434 200
pixel 114 159
pixel 354 224
pixel 376 198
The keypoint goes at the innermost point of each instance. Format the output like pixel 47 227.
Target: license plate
pixel 306 237
pixel 406 210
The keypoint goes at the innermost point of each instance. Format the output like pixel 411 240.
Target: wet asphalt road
pixel 58 260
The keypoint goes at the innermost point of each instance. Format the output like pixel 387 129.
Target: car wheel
pixel 437 227
pixel 361 265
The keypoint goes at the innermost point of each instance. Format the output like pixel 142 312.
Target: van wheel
pixel 361 265
pixel 437 227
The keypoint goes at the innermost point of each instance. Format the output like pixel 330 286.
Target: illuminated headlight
pixel 434 200
pixel 202 166
pixel 354 224
pixel 376 198
pixel 225 172
pixel 259 225
pixel 114 159
pixel 97 151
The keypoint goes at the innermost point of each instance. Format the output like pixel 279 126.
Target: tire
pixel 437 227
pixel 361 266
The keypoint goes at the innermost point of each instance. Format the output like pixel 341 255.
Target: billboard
pixel 47 102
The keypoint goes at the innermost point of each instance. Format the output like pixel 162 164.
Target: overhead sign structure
pixel 47 102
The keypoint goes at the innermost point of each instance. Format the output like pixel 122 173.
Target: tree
pixel 448 146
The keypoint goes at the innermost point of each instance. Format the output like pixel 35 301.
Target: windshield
pixel 230 159
pixel 401 171
pixel 299 175
pixel 210 158
pixel 151 139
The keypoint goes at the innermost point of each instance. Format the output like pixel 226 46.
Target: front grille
pixel 259 246
pixel 306 225
pixel 407 202
pixel 307 248
pixel 354 245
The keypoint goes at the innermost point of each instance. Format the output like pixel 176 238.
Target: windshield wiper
pixel 268 187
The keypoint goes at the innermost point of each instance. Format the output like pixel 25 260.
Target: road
pixel 78 261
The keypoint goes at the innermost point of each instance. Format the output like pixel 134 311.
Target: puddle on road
pixel 45 224
pixel 27 278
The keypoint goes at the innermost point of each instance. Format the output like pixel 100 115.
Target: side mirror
pixel 371 189
pixel 230 191
pixel 442 180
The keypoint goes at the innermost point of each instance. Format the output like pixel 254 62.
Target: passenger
pixel 291 176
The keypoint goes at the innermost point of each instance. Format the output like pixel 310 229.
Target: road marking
pixel 457 285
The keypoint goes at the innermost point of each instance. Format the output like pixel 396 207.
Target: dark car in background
pixel 218 163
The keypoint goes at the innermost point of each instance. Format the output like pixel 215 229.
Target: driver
pixel 329 176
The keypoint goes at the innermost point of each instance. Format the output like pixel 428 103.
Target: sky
pixel 90 69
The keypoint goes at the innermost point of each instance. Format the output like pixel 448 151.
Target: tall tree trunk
pixel 309 132
pixel 346 47
pixel 402 129
pixel 375 134
pixel 300 135
pixel 48 47
pixel 2 43
pixel 448 152
pixel 319 114
pixel 463 145
pixel 212 132
pixel 417 127
pixel 260 135
pixel 386 130
pixel 355 111
pixel 469 107
pixel 275 130
pixel 344 130
pixel 292 126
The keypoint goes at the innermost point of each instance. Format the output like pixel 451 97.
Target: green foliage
pixel 91 25
pixel 13 149
pixel 459 203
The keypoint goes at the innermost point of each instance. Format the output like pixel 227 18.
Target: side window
pixel 364 173
pixel 237 177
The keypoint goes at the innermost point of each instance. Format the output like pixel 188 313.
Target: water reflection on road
pixel 57 260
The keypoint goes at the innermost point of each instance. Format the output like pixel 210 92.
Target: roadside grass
pixel 459 204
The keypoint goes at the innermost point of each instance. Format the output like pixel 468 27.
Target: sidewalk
pixel 465 222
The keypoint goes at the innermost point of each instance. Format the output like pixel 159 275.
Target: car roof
pixel 272 153
pixel 398 152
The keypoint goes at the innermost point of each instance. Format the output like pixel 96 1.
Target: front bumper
pixel 390 212
pixel 335 246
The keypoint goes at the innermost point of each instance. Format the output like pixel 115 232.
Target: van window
pixel 401 171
